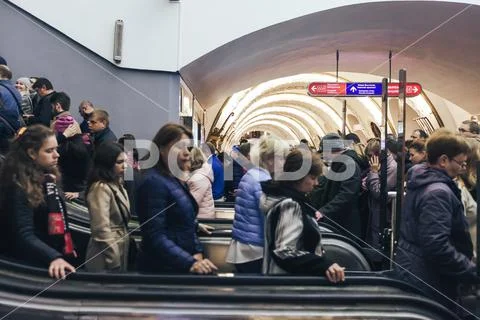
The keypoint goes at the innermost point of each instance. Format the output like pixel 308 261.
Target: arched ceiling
pixel 439 52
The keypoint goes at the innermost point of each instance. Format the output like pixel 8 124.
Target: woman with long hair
pixel 293 242
pixel 32 206
pixel 167 211
pixel 109 209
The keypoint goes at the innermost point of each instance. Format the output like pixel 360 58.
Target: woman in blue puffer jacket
pixel 246 247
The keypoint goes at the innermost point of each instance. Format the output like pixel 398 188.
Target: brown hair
pixel 444 142
pixel 167 134
pixel 418 145
pixel 102 115
pixel 295 159
pixel 21 170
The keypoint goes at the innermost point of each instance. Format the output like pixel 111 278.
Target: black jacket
pixel 74 162
pixel 42 111
pixel 106 135
pixel 28 231
pixel 338 199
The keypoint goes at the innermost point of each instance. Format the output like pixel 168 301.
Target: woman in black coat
pixel 32 206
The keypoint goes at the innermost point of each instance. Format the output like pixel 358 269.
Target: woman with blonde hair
pixel 24 86
pixel 200 184
pixel 246 247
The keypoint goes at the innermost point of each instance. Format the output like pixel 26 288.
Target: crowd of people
pixel 48 158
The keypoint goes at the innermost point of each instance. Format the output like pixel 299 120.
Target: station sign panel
pixel 360 89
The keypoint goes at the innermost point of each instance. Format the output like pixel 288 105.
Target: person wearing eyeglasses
pixel 435 250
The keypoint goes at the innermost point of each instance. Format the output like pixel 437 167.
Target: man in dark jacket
pixel 338 192
pixel 98 124
pixel 42 109
pixel 435 250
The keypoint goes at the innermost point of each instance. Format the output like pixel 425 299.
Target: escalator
pixel 140 296
pixel 225 295
pixel 343 250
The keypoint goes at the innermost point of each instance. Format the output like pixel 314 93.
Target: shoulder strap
pixel 119 204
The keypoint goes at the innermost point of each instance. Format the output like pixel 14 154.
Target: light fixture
pixel 118 41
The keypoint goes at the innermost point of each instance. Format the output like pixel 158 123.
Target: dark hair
pixel 418 146
pixel 244 149
pixel 352 136
pixel 62 98
pixel 443 142
pixel 103 168
pixel 393 145
pixel 42 82
pixel 473 126
pixel 21 170
pixel 304 141
pixel 421 133
pixel 130 137
pixel 294 161
pixel 167 134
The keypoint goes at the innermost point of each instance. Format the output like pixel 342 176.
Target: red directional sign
pixel 412 89
pixel 350 89
pixel 327 88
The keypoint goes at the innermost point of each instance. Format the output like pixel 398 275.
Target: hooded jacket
pixel 200 186
pixel 434 244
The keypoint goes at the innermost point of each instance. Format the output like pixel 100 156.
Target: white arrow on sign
pixel 353 89
pixel 415 89
pixel 314 88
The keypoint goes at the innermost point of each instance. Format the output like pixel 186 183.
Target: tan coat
pixel 200 186
pixel 108 230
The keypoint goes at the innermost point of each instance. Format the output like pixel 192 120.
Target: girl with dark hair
pixel 167 211
pixel 292 235
pixel 109 209
pixel 32 205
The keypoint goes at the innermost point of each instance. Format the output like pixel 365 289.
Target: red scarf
pixel 57 218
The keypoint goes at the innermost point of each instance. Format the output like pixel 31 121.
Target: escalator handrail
pixel 357 278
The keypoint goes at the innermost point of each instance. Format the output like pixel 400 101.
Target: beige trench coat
pixel 108 230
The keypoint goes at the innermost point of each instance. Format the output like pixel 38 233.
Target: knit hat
pixel 26 82
pixel 62 123
pixel 331 142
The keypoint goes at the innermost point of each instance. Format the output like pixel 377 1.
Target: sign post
pixel 402 103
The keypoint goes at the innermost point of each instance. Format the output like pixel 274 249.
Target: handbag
pixel 132 244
